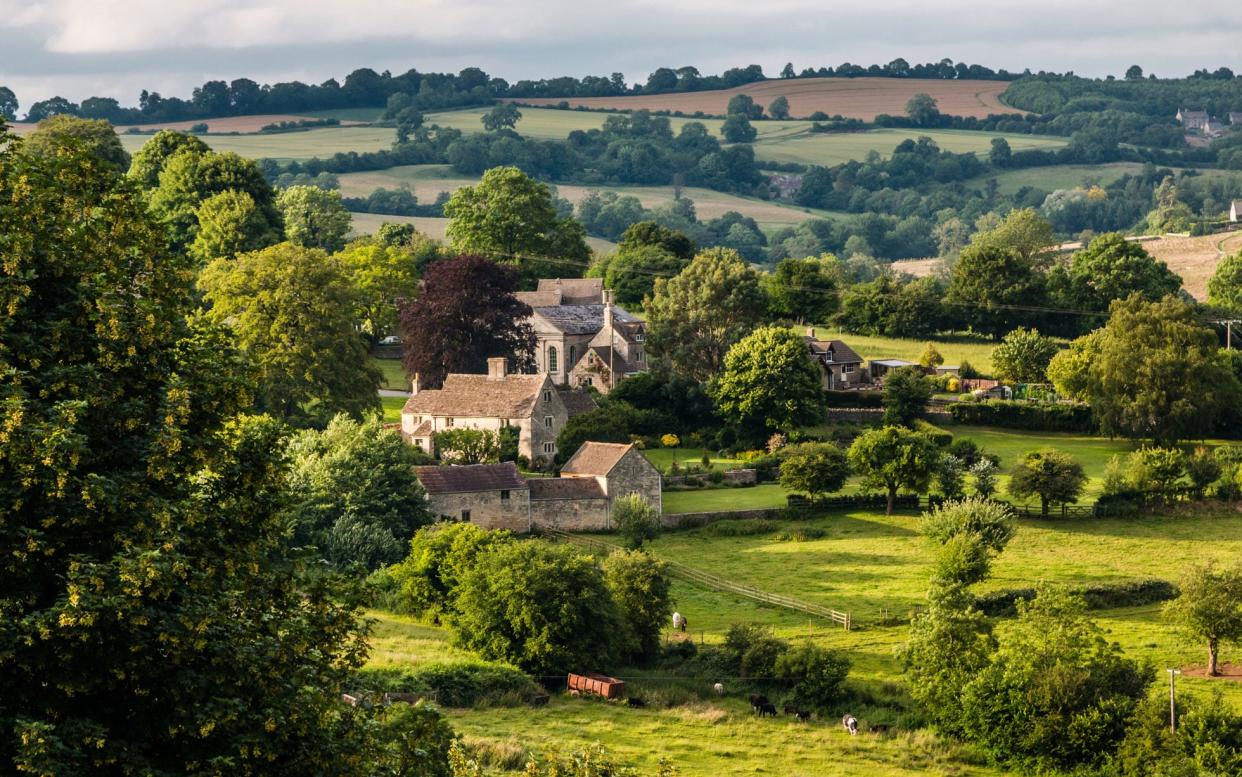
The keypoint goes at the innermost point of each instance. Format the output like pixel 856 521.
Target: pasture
pixel 286 146
pixel 556 124
pixel 954 348
pixel 393 374
pixel 436 228
pixel 1194 258
pixel 866 563
pixel 427 181
pixel 1055 177
pixel 837 148
pixel 860 98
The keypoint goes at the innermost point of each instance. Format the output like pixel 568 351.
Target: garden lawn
pixel 712 500
pixel 393 372
pixel 392 409
pixel 662 458
pixel 954 348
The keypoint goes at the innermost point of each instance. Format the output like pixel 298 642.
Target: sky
pixel 116 48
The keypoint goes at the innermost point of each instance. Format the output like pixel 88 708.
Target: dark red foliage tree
pixel 465 314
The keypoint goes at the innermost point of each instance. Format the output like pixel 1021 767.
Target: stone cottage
pixel 840 367
pixel 496 496
pixel 583 339
pixel 531 403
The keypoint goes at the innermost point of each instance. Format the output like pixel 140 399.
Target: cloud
pixel 117 47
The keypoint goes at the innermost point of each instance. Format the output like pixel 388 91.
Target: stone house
pixel 1193 121
pixel 531 403
pixel 496 496
pixel 582 338
pixel 840 367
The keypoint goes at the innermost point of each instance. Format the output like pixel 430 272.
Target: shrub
pixel 640 586
pixel 1025 415
pixel 816 676
pixel 440 555
pixel 939 436
pixel 455 683
pixel 635 520
pixel 1098 596
pixel 670 441
pixel 751 651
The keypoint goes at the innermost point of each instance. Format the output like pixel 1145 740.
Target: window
pixel 549 447
pixel 465 515
pixel 448 422
pixel 552 365
pixel 586 381
pixel 547 421
pixel 847 368
pixel 504 494
pixel 547 396
pixel 638 355
pixel 828 356
pixel 573 351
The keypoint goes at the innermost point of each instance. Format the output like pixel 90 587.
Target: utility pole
pixel 1172 700
pixel 1228 322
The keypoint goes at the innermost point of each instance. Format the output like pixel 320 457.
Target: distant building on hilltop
pixel 1193 121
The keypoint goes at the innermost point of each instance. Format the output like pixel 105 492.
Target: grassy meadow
pixel 866 563
pixel 287 146
pixel 954 349
pixel 836 148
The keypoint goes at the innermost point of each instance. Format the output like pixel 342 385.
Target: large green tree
pixel 154 619
pixel 149 161
pixel 1225 285
pixel 995 287
pixel 631 272
pixel 229 223
pixel 314 217
pixel 1023 356
pixel 1049 474
pixel 189 177
pixel 693 319
pixel 94 136
pixel 893 458
pixel 501 116
pixel 384 276
pixel 292 311
pixel 1023 231
pixel 803 289
pixel 813 468
pixel 906 394
pixel 465 315
pixel 544 608
pixel 1210 608
pixel 769 383
pixel 1157 373
pixel 641 587
pixel 356 496
pixel 509 216
pixel 1111 268
pixel 8 104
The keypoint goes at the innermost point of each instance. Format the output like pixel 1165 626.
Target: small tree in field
pixel 813 469
pixel 906 393
pixel 1023 356
pixel 984 474
pixel 1050 475
pixel 1210 608
pixel 931 356
pixel 893 458
pixel 635 520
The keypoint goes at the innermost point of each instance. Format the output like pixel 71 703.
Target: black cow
pixel 802 715
pixel 635 702
pixel 767 709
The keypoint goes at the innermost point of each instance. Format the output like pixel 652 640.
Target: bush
pixel 1100 596
pixel 456 683
pixel 439 557
pixel 816 676
pixel 636 520
pixel 873 399
pixel 1025 415
pixel 939 436
pixel 750 651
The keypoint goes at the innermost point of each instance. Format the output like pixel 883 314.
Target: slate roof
pixel 581 319
pixel 513 396
pixel 575 291
pixel 595 458
pixel 470 477
pixel 564 488
pixel 576 401
pixel 841 353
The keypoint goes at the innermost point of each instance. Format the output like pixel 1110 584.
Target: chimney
pixel 414 385
pixel 560 295
pixel 608 310
pixel 810 332
pixel 496 368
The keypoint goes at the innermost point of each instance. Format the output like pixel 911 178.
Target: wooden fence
pixel 707 580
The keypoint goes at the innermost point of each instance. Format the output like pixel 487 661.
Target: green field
pixel 865 563
pixel 954 349
pixel 286 146
pixel 392 409
pixel 427 181
pixel 348 114
pixel 393 372
pixel 436 228
pixel 1056 176
pixel 836 148
pixel 1010 445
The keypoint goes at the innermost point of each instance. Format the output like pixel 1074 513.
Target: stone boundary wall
pixel 739 477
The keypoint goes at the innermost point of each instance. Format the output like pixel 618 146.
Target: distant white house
pixel 1235 211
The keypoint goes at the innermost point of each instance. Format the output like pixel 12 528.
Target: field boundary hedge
pixel 1010 414
pixel 1099 596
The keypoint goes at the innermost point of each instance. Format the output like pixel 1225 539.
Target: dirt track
pixel 860 98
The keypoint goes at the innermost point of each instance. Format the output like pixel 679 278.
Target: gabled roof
pixel 470 477
pixel 606 357
pixel 841 353
pixel 564 488
pixel 580 319
pixel 479 396
pixel 576 401
pixel 553 292
pixel 595 458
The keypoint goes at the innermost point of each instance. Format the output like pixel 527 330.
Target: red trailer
pixel 598 684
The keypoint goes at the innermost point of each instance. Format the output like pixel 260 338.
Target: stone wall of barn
pixel 485 509
pixel 635 475
pixel 570 514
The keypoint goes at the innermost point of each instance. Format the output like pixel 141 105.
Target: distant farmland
pixel 859 98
